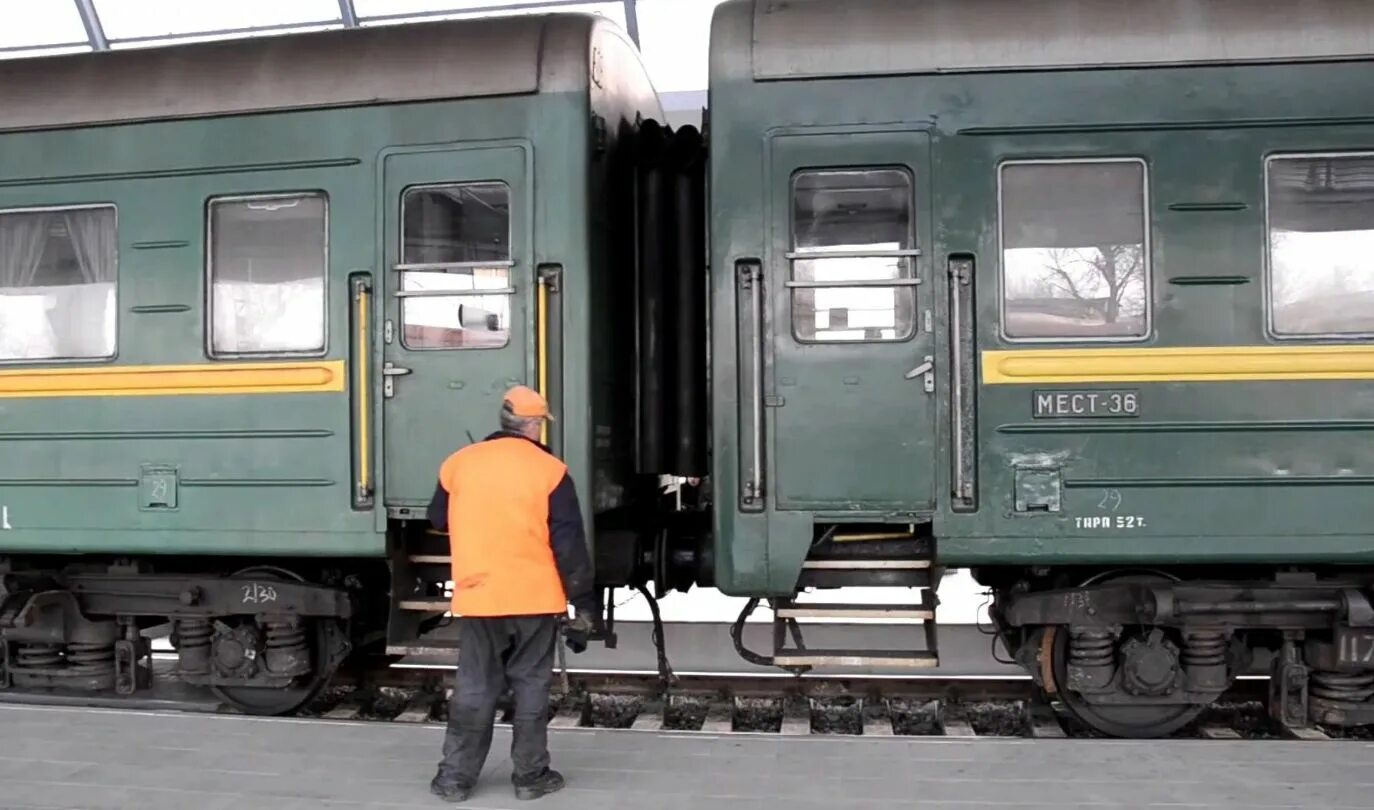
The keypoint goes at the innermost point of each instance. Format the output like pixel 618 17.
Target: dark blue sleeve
pixel 438 508
pixel 569 541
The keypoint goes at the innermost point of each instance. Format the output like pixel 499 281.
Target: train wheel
pixel 322 636
pixel 1139 721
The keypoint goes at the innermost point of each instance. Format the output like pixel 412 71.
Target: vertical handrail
pixel 749 277
pixel 960 280
pixel 542 350
pixel 549 354
pixel 362 300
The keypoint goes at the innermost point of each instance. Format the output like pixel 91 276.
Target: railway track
pixel 960 707
pixel 956 707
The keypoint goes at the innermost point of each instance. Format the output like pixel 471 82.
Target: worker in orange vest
pixel 519 559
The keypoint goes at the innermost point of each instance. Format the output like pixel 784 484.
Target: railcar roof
pixel 818 38
pixel 384 64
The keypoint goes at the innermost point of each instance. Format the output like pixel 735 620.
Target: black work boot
pixel 540 784
pixel 450 791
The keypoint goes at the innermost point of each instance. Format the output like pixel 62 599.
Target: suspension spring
pixel 1342 686
pixel 193 646
pixel 1204 649
pixel 40 656
pixel 91 659
pixel 286 653
pixel 1092 648
pixel 193 634
pixel 285 635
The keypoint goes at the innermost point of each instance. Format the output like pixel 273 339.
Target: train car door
pixel 457 249
pixel 851 410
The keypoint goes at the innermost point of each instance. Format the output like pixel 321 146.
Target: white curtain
pixel 93 241
pixel 90 310
pixel 25 332
pixel 286 317
pixel 22 240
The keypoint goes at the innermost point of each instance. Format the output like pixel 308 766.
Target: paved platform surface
pixel 71 758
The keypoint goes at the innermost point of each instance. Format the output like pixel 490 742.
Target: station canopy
pixel 672 34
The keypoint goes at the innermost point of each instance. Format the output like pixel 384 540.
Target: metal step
pixel 870 564
pixel 432 649
pixel 431 559
pixel 897 659
pixel 867 572
pixel 850 611
pixel 427 605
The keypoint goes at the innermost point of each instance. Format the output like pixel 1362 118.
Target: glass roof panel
pixel 397 8
pixel 38 25
pixel 674 36
pixel 374 11
pixel 673 33
pixel 142 19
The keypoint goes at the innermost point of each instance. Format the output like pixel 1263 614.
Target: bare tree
pixel 1103 277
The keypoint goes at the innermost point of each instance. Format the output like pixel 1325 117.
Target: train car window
pixel 268 260
pixel 456 238
pixel 1075 250
pixel 58 288
pixel 852 256
pixel 1321 245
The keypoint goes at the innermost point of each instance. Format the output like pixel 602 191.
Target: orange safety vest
pixel 498 525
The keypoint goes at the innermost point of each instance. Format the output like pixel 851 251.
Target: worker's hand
pixel 578 631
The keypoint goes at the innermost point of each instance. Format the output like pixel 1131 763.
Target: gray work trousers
pixel 494 652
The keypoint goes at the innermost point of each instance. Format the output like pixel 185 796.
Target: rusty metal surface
pixel 814 38
pixel 458 59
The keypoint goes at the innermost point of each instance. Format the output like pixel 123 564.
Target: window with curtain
pixel 58 288
pixel 268 261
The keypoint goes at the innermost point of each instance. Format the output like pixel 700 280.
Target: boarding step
pixel 859 571
pixel 923 611
pixel 903 659
pixel 869 564
pixel 790 650
pixel 430 559
pixel 427 604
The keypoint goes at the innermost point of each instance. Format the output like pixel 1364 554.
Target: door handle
pixel 390 370
pixel 927 368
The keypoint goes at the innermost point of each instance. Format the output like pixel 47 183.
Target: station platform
pixel 120 760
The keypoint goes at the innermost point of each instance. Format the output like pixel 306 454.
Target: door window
pixel 456 266
pixel 852 256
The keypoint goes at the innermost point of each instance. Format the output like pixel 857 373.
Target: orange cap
pixel 526 402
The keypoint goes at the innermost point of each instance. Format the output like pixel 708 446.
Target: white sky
pixel 673 33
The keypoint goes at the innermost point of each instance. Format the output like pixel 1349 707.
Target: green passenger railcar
pixel 1025 288
pixel 254 292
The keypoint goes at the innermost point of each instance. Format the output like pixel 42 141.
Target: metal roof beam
pixel 90 18
pixel 632 20
pixel 348 14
